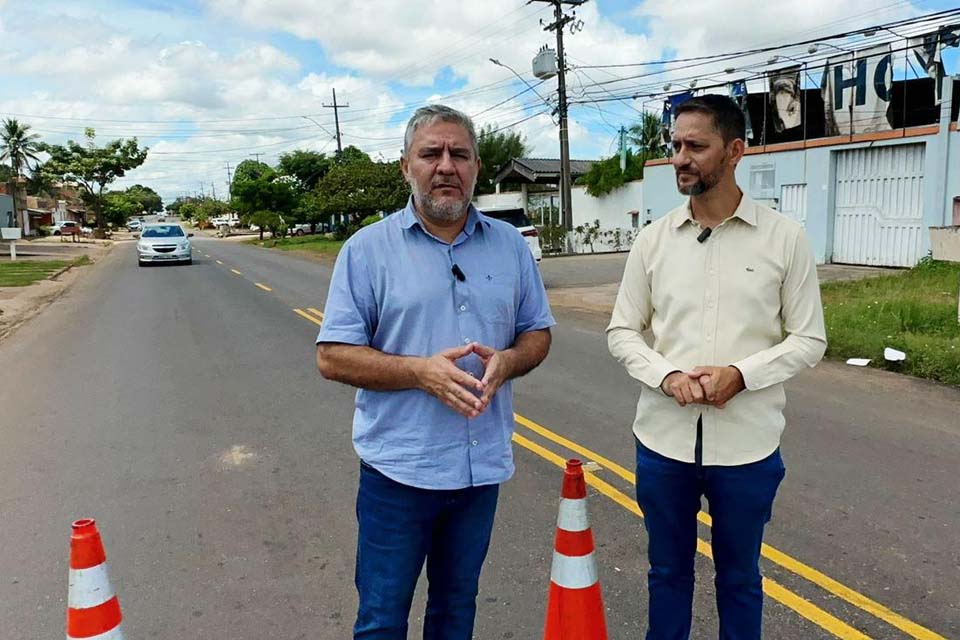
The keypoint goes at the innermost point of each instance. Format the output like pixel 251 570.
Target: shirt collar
pixel 746 211
pixel 408 218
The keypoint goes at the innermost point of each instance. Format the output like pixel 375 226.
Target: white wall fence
pixel 616 229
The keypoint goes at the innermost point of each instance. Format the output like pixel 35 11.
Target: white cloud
pixel 203 89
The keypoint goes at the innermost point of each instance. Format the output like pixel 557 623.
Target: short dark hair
pixel 727 116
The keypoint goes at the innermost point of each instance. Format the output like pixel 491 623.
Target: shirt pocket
pixel 496 298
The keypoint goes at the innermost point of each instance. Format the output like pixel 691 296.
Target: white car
pixel 164 243
pixel 519 219
pixel 67 225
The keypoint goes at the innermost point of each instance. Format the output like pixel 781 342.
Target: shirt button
pixel 708 338
pixel 466 341
pixel 474 443
pixel 463 307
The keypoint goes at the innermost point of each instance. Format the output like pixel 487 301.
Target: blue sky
pixel 206 84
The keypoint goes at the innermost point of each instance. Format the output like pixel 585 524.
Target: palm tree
pixel 646 135
pixel 18 145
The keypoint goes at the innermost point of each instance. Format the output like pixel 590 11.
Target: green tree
pixel 150 201
pixel 497 148
pixel 93 167
pixel 268 192
pixel 308 167
pixel 249 170
pixel 266 220
pixel 351 154
pixel 645 136
pixel 175 207
pixel 18 146
pixel 605 176
pixel 188 210
pixel 118 206
pixel 360 189
pixel 6 173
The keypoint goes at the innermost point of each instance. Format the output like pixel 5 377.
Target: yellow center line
pixel 776 591
pixel 801 569
pixel 218 262
pixel 263 286
pixel 306 315
pixel 236 272
pixel 771 588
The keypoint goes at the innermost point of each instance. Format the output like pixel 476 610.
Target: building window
pixel 635 219
pixel 763 180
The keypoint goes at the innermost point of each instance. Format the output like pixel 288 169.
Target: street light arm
pixel 522 79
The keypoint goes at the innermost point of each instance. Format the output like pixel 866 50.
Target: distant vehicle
pixel 299 229
pixel 164 243
pixel 65 227
pixel 133 224
pixel 161 217
pixel 230 221
pixel 519 219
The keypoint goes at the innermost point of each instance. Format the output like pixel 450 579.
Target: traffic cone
pixel 574 605
pixel 93 611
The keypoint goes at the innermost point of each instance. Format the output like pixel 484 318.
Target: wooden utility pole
pixel 561 21
pixel 336 119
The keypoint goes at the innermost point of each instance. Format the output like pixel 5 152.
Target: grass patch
pixel 314 244
pixel 915 312
pixel 23 273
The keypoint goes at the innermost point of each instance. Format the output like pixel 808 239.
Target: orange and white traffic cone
pixel 93 610
pixel 575 605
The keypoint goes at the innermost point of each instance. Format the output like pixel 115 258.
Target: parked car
pixel 164 243
pixel 519 219
pixel 299 229
pixel 61 227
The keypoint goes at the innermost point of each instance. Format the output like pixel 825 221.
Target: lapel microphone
pixel 700 238
pixel 458 273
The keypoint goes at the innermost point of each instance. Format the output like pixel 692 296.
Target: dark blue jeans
pixel 400 527
pixel 740 499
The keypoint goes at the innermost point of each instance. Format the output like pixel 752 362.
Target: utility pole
pixel 623 149
pixel 213 187
pixel 229 183
pixel 561 21
pixel 336 119
pixel 257 156
pixel 203 195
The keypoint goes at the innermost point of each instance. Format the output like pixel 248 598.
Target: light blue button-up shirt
pixel 393 289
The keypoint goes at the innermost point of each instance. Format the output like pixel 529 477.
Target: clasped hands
pixel 713 386
pixel 439 376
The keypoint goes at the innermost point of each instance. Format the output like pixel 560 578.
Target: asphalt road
pixel 181 408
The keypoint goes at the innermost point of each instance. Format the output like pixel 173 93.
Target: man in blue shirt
pixel 431 312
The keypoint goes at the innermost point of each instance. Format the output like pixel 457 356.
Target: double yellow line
pixel 774 590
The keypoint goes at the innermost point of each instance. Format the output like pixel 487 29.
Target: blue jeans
pixel 740 499
pixel 400 527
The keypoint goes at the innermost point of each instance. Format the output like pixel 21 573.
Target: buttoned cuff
pixel 751 369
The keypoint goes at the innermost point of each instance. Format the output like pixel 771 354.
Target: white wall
pixel 612 212
pixel 491 200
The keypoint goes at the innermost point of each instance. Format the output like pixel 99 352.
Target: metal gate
pixel 793 202
pixel 879 206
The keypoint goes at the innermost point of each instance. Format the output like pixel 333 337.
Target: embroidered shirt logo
pixel 750 269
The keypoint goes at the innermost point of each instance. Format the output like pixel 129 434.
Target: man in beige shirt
pixel 718 282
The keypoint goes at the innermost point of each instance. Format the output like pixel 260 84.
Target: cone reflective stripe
pixel 574 604
pixel 93 610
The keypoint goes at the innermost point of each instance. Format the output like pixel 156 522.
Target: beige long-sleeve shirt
pixel 727 301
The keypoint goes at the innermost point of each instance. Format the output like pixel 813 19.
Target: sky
pixel 208 84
